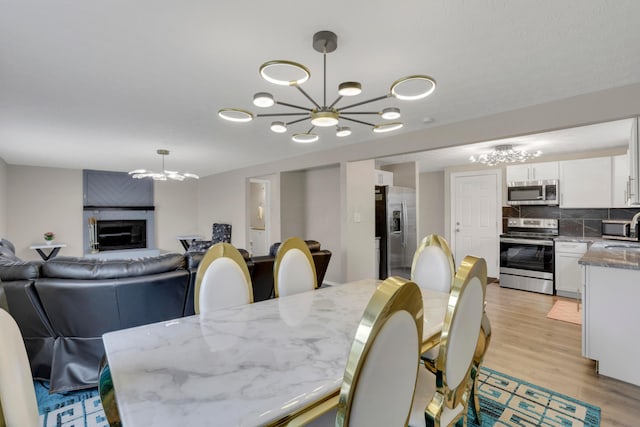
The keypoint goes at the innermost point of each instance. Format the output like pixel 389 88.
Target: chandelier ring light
pixel 165 174
pixel 289 73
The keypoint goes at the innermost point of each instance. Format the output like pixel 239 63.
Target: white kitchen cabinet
pixel 610 319
pixel 620 190
pixel 585 183
pixel 568 275
pixel 383 177
pixel 634 167
pixel 532 172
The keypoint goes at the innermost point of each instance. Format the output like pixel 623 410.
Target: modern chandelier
pixel 504 154
pixel 165 174
pixel 288 73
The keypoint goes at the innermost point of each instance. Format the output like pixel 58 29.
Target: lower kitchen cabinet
pixel 568 275
pixel 610 319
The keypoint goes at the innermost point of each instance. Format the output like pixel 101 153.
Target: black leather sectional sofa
pixel 64 305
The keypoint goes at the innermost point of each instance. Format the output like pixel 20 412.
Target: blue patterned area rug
pixel 74 409
pixel 504 401
pixel 509 401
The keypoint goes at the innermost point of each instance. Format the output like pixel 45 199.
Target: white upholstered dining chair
pixel 433 266
pixel 380 374
pixel 222 280
pixel 441 399
pixel 294 270
pixel 18 404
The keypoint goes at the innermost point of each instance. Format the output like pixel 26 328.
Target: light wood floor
pixel 546 352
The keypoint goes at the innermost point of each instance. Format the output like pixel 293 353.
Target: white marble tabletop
pixel 243 366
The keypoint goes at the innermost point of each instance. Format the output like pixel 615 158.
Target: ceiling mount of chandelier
pixel 289 73
pixel 504 154
pixel 165 174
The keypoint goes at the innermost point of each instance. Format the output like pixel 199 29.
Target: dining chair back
pixel 380 375
pixel 18 404
pixel 433 266
pixel 222 279
pixel 442 399
pixel 294 270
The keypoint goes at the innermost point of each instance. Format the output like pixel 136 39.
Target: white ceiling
pixel 102 85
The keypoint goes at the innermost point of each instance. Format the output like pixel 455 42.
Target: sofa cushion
pixel 12 268
pixel 6 243
pixel 313 245
pixel 90 268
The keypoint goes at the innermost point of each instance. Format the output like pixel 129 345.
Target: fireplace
pixel 121 234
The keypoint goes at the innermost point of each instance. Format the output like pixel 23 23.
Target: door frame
pixel 452 198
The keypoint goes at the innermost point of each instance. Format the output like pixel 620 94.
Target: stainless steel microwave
pixel 533 192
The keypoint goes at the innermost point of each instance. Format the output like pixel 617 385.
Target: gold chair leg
pixel 108 395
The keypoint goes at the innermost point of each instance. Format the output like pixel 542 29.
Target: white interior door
pixel 475 213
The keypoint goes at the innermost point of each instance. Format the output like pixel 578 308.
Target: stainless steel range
pixel 526 254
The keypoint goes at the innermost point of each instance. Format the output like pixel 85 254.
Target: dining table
pixel 251 365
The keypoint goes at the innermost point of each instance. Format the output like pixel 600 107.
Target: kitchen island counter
pixel 613 254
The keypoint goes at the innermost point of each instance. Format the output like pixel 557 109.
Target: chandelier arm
pixel 364 102
pixel 361 112
pixel 311 129
pixel 282 114
pixel 293 106
pixel 308 97
pixel 335 102
pixel 297 121
pixel 357 121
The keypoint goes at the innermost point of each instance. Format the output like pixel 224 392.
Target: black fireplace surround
pixel 116 235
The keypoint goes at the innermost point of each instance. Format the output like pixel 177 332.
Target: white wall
pixel 293 204
pixel 176 212
pixel 359 225
pixel 432 204
pixel 3 198
pixel 44 199
pixel 322 201
pixel 223 198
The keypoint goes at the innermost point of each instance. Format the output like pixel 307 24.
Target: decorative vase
pixel 48 242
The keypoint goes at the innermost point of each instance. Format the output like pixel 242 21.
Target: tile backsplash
pixel 571 222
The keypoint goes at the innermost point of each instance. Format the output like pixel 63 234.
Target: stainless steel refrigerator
pixel 396 228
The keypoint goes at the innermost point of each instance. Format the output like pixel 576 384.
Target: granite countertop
pixel 614 254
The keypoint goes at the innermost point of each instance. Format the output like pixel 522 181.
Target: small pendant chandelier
pixel 165 174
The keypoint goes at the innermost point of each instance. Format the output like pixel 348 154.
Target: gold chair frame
pixel 217 251
pixel 471 268
pixel 287 245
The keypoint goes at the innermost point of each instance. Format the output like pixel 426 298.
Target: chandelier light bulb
pixel 343 131
pixel 387 127
pixel 235 115
pixel 390 113
pixel 305 138
pixel 412 88
pixel 350 89
pixel 324 118
pixel 278 127
pixel 263 100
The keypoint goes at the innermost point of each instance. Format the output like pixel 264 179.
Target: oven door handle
pixel 526 241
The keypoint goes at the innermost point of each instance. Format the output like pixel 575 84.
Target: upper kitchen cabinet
pixel 586 183
pixel 532 172
pixel 383 177
pixel 634 173
pixel 621 181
